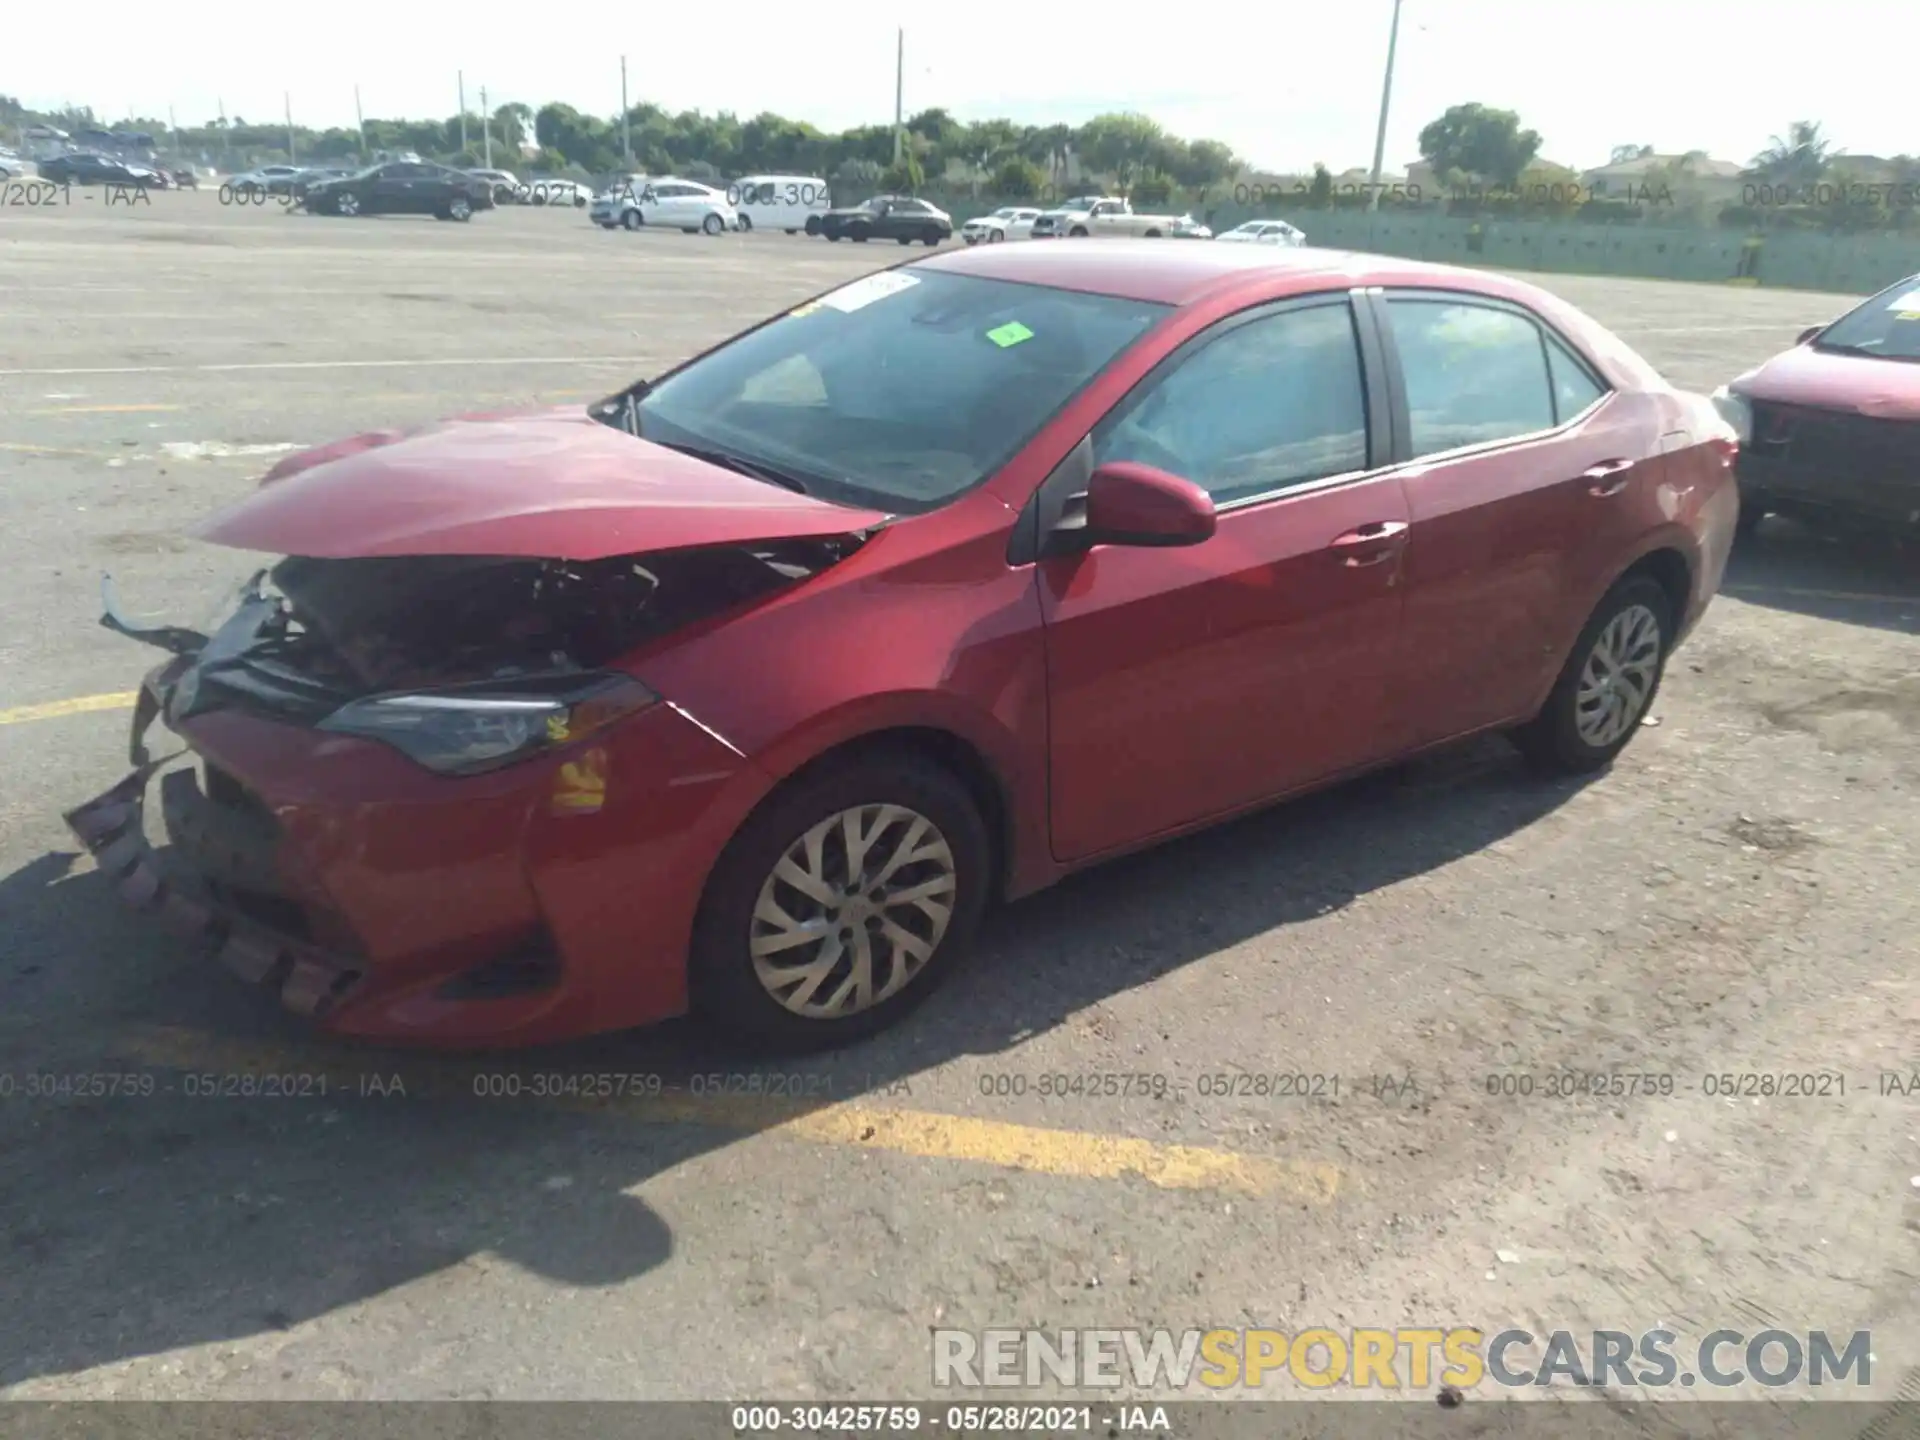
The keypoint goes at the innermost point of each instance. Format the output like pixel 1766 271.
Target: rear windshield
pixel 1887 326
pixel 901 390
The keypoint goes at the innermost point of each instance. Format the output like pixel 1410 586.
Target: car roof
pixel 1167 274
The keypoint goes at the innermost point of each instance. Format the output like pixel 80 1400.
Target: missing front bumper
pixel 311 982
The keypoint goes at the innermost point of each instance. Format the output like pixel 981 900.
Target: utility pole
pixel 173 131
pixel 287 99
pixel 460 79
pixel 626 123
pixel 360 119
pixel 1386 97
pixel 486 129
pixel 899 91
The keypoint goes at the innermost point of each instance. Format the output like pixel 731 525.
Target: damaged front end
pixel 365 736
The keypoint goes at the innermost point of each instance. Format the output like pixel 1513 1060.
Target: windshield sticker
pixel 806 309
pixel 864 292
pixel 1907 303
pixel 1011 333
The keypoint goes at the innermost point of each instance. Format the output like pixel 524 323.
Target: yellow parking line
pixel 79 705
pixel 922 1133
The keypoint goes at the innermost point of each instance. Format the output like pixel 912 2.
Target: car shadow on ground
pixel 1856 577
pixel 142 1223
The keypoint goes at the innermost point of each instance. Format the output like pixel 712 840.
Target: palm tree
pixel 1797 159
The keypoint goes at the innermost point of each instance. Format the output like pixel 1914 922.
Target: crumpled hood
pixel 553 484
pixel 1883 389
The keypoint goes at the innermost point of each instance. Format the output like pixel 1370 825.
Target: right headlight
pixel 468 729
pixel 1736 410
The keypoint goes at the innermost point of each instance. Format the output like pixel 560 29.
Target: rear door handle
pixel 1369 544
pixel 1609 477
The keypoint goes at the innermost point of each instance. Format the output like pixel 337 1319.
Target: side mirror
pixel 1808 334
pixel 1130 504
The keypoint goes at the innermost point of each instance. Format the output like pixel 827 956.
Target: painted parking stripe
pixel 101 409
pixel 921 1133
pixel 79 705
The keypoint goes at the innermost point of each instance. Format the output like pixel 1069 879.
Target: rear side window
pixel 1474 374
pixel 1574 389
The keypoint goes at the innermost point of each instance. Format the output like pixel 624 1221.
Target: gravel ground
pixel 1738 895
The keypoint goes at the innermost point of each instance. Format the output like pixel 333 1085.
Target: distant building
pixel 1716 181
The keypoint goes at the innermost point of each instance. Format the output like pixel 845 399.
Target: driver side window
pixel 1272 404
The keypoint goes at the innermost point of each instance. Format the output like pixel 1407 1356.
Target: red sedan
pixel 1830 430
pixel 746 690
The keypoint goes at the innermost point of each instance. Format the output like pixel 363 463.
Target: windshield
pixel 1888 325
pixel 899 391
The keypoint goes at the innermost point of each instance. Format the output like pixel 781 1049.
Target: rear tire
pixel 1591 713
pixel 813 225
pixel 1752 512
pixel 713 224
pixel 935 816
pixel 859 235
pixel 933 236
pixel 746 224
pixel 460 208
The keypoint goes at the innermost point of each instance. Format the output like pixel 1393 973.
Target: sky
pixel 1286 83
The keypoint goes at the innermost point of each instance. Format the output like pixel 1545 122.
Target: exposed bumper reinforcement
pixel 310 981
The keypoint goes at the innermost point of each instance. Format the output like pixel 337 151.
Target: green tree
pixel 1018 178
pixel 1320 188
pixel 906 178
pixel 1119 145
pixel 1797 158
pixel 1479 141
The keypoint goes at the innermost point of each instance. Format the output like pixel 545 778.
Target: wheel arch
pixel 984 780
pixel 1666 562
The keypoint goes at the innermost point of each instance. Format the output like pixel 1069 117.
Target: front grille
pixel 1818 443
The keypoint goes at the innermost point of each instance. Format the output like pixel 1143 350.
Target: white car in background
pixel 1009 222
pixel 672 204
pixel 605 209
pixel 1265 232
pixel 1188 228
pixel 780 202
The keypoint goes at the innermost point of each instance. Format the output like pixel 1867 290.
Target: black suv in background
pixel 81 168
pixel 401 187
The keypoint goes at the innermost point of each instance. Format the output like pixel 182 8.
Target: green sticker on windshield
pixel 1011 333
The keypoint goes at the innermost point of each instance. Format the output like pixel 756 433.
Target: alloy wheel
pixel 1618 677
pixel 852 911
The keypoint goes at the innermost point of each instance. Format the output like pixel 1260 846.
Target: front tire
pixel 1078 231
pixel 859 235
pixel 633 219
pixel 460 208
pixel 713 225
pixel 933 236
pixel 841 903
pixel 813 225
pixel 348 204
pixel 1607 685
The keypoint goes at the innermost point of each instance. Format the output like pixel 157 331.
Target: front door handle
pixel 1609 477
pixel 1369 544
